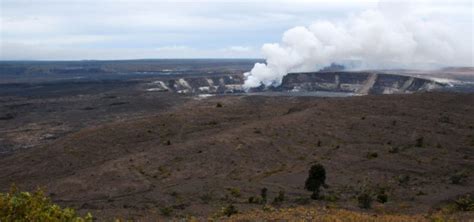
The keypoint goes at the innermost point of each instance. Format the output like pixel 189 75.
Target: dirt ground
pixel 201 155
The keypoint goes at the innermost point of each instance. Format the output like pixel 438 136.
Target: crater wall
pixel 361 83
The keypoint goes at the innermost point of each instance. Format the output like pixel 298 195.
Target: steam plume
pixel 373 38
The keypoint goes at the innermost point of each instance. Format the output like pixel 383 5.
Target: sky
pixel 138 29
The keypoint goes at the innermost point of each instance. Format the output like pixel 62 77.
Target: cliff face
pixel 219 84
pixel 356 82
pixel 361 83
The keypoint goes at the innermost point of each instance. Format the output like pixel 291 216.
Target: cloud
pixel 21 51
pixel 213 27
pixel 99 28
pixel 391 37
pixel 240 49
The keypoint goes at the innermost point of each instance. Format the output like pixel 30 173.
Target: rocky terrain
pixel 201 155
pixel 38 114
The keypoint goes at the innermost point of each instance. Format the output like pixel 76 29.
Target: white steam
pixel 373 39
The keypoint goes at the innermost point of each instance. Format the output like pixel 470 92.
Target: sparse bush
pixel 263 194
pixel 465 203
pixel 459 177
pixel 393 150
pixel 372 155
pixel 26 206
pixel 213 122
pixel 163 171
pixel 206 198
pixel 255 200
pixel 229 210
pixel 419 142
pixel 365 200
pixel 166 211
pixel 280 198
pixel 420 193
pixel 235 192
pixel 174 194
pixel 316 179
pixel 403 179
pixel 252 199
pixel 382 196
pixel 268 208
pixel 444 119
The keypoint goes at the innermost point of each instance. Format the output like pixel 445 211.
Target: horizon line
pixel 85 60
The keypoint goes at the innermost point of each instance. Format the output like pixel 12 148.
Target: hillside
pixel 206 154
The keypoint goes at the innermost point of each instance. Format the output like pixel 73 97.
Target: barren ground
pixel 190 156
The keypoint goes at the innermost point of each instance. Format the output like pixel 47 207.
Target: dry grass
pixel 329 215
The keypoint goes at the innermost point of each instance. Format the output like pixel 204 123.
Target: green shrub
pixel 25 206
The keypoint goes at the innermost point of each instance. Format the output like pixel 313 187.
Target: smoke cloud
pixel 373 39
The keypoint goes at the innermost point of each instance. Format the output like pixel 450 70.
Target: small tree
pixel 316 179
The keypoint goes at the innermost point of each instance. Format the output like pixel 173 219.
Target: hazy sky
pixel 131 29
